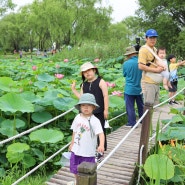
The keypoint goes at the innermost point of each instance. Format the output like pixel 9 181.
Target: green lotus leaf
pixel 64 104
pixel 116 101
pixel 38 153
pixel 8 85
pixel 40 84
pixel 49 97
pixel 13 102
pixel 28 161
pixel 159 167
pixel 29 96
pixel 46 78
pixel 41 117
pixel 10 123
pixel 18 147
pixel 8 131
pixel 14 157
pixel 46 136
pixel 176 118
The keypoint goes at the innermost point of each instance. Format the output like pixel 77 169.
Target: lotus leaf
pixel 176 119
pixel 41 117
pixel 159 167
pixel 38 153
pixel 40 84
pixel 173 133
pixel 8 131
pixel 46 136
pixel 14 102
pixel 14 157
pixel 18 147
pixel 46 78
pixel 15 152
pixel 29 96
pixel 64 104
pixel 49 97
pixel 28 161
pixel 10 123
pixel 116 101
pixel 8 85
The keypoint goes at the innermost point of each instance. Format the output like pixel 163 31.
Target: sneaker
pixel 98 157
pixel 128 125
pixel 170 103
pixel 175 102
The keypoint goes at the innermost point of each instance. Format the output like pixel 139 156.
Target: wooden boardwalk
pixel 119 169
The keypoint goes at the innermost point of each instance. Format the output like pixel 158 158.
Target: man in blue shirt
pixel 133 91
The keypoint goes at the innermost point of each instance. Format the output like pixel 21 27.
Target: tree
pixel 5 5
pixel 167 17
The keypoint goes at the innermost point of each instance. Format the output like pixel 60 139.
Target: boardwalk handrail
pixel 52 156
pixel 158 105
pixel 34 128
pixel 108 156
pixel 121 142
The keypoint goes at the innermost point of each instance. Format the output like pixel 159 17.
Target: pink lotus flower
pixel 34 68
pixel 59 76
pixel 110 84
pixel 117 93
pixel 57 66
pixel 66 60
pixel 96 60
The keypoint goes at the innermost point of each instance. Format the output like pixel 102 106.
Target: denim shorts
pixel 75 160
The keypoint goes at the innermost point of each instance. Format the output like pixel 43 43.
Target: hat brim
pixel 129 53
pixel 87 69
pixel 77 106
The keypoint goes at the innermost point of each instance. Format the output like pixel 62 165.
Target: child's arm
pixel 73 88
pixel 72 141
pixel 102 140
pixel 104 89
pixel 181 63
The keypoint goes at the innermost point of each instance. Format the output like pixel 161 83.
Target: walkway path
pixel 119 169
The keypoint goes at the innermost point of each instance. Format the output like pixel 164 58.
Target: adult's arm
pixel 146 68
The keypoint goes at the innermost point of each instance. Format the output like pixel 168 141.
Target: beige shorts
pixel 151 93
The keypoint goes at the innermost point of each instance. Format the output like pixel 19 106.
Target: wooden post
pixel 145 132
pixel 87 174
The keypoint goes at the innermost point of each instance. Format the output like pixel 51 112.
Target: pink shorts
pixel 75 160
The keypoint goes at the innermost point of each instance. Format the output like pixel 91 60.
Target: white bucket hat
pixel 86 66
pixel 87 98
pixel 130 50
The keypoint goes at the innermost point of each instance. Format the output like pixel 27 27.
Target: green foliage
pixel 13 102
pixel 159 167
pixel 44 136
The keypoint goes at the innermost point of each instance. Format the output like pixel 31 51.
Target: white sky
pixel 121 8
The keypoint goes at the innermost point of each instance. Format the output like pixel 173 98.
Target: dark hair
pixel 83 77
pixel 161 48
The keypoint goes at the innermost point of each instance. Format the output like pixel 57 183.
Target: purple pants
pixel 75 160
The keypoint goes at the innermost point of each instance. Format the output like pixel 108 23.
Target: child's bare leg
pixel 165 83
pixel 169 84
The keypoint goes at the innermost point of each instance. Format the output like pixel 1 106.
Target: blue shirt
pixel 132 75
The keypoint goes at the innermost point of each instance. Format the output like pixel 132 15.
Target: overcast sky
pixel 122 8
